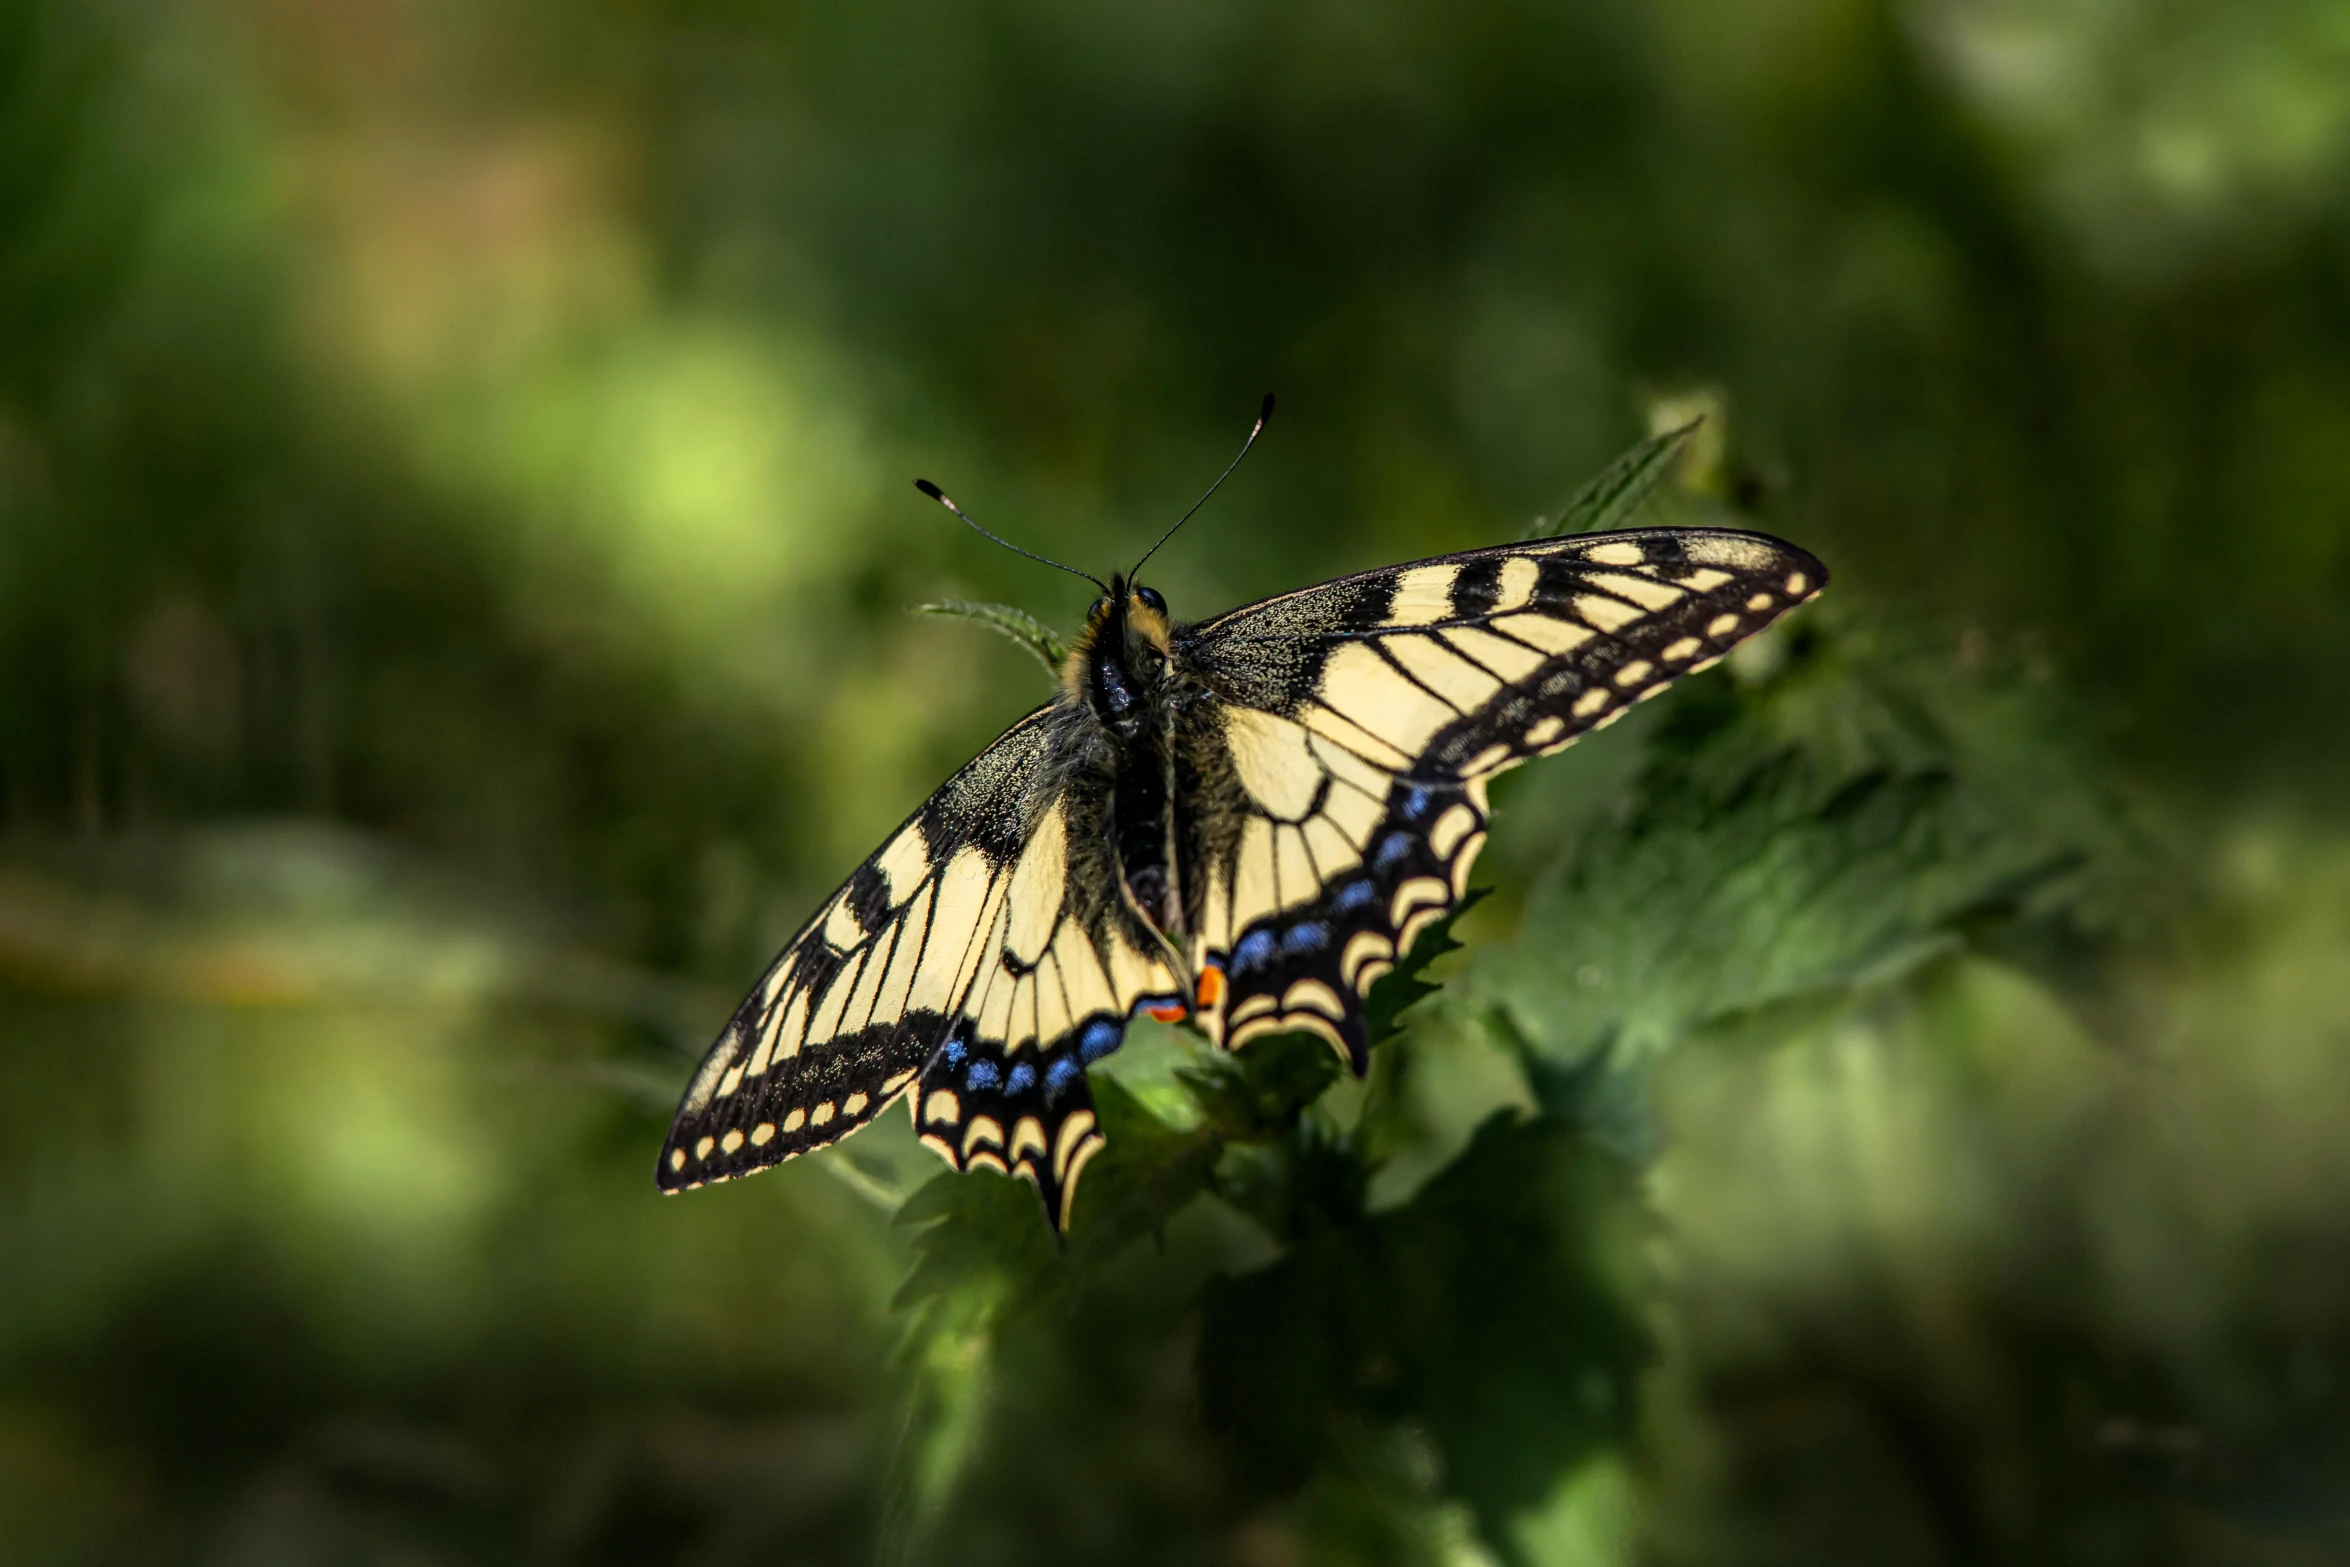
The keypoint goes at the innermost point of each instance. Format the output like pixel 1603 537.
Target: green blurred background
pixel 454 545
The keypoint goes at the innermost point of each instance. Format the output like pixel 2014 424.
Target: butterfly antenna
pixel 1263 414
pixel 940 496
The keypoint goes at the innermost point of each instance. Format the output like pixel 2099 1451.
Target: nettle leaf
pixel 1256 1095
pixel 1489 1313
pixel 947 1361
pixel 1031 633
pixel 1289 1170
pixel 1149 1171
pixel 974 1233
pixel 1315 1177
pixel 982 1255
pixel 1789 846
pixel 1611 498
pixel 1278 1164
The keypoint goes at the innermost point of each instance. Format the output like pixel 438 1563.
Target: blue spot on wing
pixel 1354 895
pixel 1393 850
pixel 982 1077
pixel 1254 952
pixel 1022 1079
pixel 954 1052
pixel 1414 804
pixel 1059 1076
pixel 1304 938
pixel 1101 1036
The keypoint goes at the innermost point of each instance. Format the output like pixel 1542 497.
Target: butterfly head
pixel 1117 663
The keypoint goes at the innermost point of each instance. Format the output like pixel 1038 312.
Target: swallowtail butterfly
pixel 1242 822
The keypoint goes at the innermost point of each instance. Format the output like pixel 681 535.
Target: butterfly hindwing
pixel 1342 778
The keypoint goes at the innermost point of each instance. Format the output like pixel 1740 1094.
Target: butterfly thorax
pixel 1120 671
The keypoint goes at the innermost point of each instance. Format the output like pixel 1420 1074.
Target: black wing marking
pixel 969 965
pixel 1342 778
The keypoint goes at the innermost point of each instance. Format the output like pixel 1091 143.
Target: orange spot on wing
pixel 1165 1014
pixel 1211 986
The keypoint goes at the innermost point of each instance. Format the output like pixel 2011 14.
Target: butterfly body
pixel 1242 822
pixel 1121 675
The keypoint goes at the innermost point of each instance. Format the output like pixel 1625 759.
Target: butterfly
pixel 1240 823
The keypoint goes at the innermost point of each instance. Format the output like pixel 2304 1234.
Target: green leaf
pixel 978 1229
pixel 1791 845
pixel 984 1252
pixel 1490 1313
pixel 1611 498
pixel 947 1362
pixel 1289 1172
pixel 1147 1172
pixel 1031 633
pixel 1255 1094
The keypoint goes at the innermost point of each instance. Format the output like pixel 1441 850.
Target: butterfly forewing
pixel 1342 776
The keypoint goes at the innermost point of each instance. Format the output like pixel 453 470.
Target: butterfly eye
pixel 1151 600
